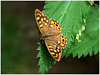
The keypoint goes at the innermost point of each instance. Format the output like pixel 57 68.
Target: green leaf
pixel 46 60
pixel 72 15
pixel 89 37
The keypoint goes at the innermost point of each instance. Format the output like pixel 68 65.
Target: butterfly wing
pixel 42 22
pixel 54 27
pixel 55 44
pixel 47 27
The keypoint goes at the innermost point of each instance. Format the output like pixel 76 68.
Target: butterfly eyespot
pixel 62 39
pixel 59 28
pixel 62 36
pixel 37 18
pixel 56 24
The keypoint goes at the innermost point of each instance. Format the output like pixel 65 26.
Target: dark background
pixel 19 35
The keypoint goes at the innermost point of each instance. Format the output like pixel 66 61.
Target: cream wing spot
pixel 51 26
pixel 58 48
pixel 37 18
pixel 41 25
pixel 42 19
pixel 58 42
pixel 54 45
pixel 52 53
pixel 45 23
pixel 51 49
pixel 55 51
pixel 52 22
pixel 49 46
pixel 40 22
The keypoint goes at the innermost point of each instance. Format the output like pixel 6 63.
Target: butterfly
pixel 51 34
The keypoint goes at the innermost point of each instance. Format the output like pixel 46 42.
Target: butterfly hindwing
pixel 55 44
pixel 54 49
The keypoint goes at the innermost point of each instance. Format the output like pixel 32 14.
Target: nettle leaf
pixel 89 37
pixel 72 15
pixel 46 60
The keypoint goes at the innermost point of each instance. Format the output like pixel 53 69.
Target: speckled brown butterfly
pixel 51 34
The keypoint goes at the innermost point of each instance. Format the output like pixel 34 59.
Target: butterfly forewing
pixel 42 22
pixel 54 27
pixel 46 26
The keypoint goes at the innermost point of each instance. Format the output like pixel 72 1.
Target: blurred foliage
pixel 15 54
pixel 18 37
pixel 9 40
pixel 77 20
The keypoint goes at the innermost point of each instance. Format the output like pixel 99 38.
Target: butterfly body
pixel 51 34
